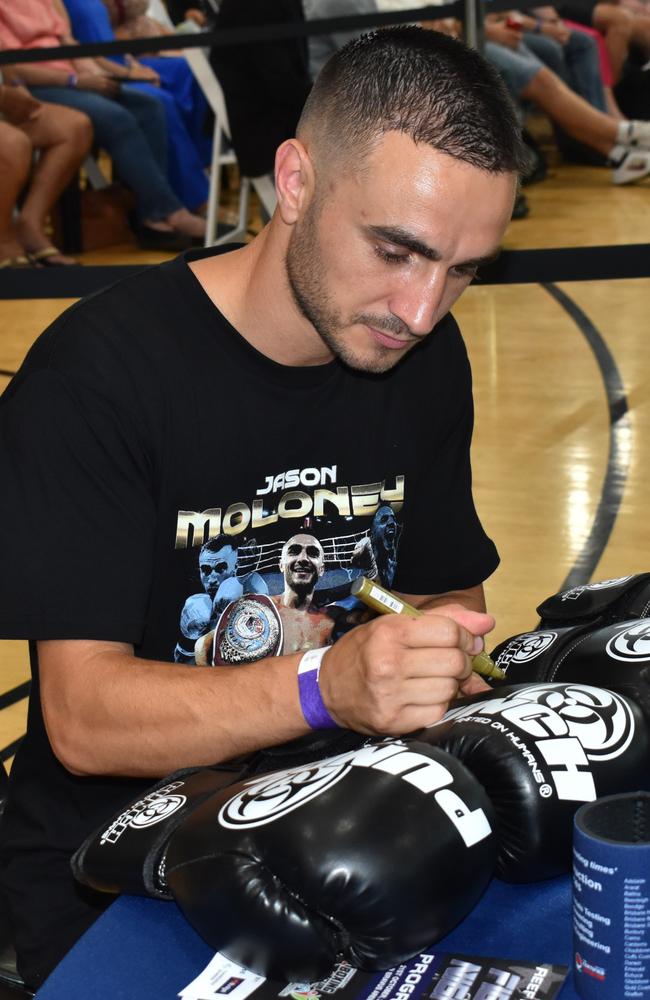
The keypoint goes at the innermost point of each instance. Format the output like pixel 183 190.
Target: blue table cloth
pixel 145 948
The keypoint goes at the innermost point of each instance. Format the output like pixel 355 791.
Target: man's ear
pixel 294 179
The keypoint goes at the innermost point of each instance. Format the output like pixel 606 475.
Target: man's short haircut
pixel 420 82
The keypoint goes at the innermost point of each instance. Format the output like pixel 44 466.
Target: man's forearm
pixel 109 712
pixel 34 75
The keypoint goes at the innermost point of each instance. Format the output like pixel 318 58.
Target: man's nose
pixel 417 302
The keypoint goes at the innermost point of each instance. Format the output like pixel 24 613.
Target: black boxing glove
pixel 615 656
pixel 540 751
pixel 126 854
pixel 599 603
pixel 367 857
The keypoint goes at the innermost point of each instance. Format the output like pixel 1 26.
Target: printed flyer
pixel 428 976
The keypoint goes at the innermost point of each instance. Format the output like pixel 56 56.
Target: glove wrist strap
pixel 311 700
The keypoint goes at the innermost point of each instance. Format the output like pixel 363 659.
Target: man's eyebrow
pixel 402 238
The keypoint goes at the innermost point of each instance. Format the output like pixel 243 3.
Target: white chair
pixel 222 152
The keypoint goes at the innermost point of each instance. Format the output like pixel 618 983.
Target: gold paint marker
pixel 387 603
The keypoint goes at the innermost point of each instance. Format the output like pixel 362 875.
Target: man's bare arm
pixel 109 712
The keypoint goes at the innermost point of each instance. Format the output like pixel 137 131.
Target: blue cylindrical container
pixel 611 898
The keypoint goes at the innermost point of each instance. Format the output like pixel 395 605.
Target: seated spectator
pixel 625 144
pixel 572 55
pixel 168 79
pixel 128 124
pixel 622 28
pixel 548 17
pixel 63 138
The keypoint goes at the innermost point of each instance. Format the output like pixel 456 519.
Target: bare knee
pixel 542 83
pixel 608 18
pixel 56 124
pixel 81 129
pixel 15 150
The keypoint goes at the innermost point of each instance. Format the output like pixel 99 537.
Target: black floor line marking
pixel 618 459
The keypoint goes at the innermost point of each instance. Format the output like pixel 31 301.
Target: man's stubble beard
pixel 303 263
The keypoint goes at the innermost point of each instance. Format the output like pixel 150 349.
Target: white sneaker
pixel 634 134
pixel 630 165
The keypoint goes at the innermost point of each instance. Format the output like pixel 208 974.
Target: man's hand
pixel 503 35
pixel 196 15
pixel 17 105
pixel 143 74
pixel 99 83
pixel 397 674
pixel 557 30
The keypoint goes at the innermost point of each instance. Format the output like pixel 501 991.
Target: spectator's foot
pixel 37 246
pixel 50 256
pixel 635 134
pixel 157 236
pixel 630 165
pixel 18 261
pixel 183 221
pixel 12 254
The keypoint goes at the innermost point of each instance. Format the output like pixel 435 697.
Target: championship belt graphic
pixel 248 630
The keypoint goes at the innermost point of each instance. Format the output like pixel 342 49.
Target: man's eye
pixel 392 258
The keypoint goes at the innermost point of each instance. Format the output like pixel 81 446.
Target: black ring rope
pixel 14 695
pixel 251 35
pixel 10 749
pixel 604 263
pixel 617 469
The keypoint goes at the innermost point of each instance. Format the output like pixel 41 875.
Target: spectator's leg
pixel 149 112
pixel 63 137
pixel 571 112
pixel 184 169
pixel 15 161
pixel 119 133
pixel 641 32
pixel 551 53
pixel 615 23
pixel 583 65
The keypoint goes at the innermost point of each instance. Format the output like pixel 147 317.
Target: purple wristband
pixel 311 701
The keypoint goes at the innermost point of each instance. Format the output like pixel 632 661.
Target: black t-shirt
pixel 141 427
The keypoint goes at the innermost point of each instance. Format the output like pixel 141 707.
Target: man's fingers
pixel 473 685
pixel 476 622
pixel 432 631
pixel 431 664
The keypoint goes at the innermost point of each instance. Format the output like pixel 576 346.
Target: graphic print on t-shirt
pixel 275 573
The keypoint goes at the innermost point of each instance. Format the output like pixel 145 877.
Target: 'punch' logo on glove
pixel 560 726
pixel 266 799
pixel 632 643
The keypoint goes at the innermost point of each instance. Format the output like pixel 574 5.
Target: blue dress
pixel 189 148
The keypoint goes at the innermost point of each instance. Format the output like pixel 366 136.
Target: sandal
pixel 18 261
pixel 44 257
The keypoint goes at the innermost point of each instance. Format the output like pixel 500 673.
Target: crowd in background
pixel 585 64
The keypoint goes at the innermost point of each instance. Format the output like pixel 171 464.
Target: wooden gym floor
pixel 562 392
